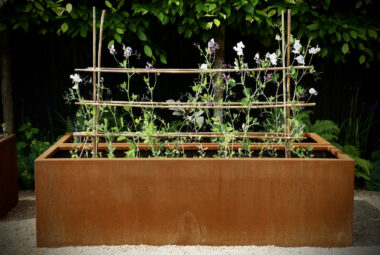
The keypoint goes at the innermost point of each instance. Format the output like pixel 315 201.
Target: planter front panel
pixel 8 174
pixel 285 202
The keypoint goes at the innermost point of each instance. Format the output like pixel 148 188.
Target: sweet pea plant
pixel 245 87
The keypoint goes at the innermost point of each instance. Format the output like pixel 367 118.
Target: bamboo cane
pixel 288 84
pixel 184 71
pixel 152 105
pixel 94 141
pixel 189 134
pixel 284 75
pixel 188 103
pixel 97 94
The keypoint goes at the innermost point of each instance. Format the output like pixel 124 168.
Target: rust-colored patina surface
pixel 240 201
pixel 8 174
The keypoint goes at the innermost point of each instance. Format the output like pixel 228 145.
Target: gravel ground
pixel 18 235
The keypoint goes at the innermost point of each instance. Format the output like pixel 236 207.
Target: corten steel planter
pixel 208 201
pixel 8 174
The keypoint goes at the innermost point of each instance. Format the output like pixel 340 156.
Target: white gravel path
pixel 18 235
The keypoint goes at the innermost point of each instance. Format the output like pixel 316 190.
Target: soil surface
pixel 18 235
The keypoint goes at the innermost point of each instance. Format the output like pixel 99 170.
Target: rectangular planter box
pixel 8 174
pixel 193 201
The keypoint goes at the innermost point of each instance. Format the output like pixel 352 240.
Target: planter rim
pixel 321 143
pixel 2 139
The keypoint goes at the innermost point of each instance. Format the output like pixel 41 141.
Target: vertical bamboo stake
pixel 284 79
pixel 95 120
pixel 288 84
pixel 98 80
pixel 100 53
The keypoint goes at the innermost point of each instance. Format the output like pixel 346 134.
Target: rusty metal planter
pixel 8 174
pixel 158 201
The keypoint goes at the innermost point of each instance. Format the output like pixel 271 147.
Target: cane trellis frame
pixel 96 70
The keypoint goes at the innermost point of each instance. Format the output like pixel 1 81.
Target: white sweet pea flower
pixel 239 48
pixel 76 78
pixel 314 50
pixel 204 67
pixel 240 45
pixel 300 59
pixel 198 118
pixel 272 57
pixel 313 92
pixel 297 47
pixel 176 111
pixel 76 86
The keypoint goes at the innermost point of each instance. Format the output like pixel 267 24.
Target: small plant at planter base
pixel 3 130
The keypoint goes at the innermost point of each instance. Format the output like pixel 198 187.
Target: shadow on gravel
pixel 25 209
pixel 366 224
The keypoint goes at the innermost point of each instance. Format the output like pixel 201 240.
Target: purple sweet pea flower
pixel 128 52
pixel 268 76
pixel 112 49
pixel 257 59
pixel 212 46
pixel 227 77
pixel 149 66
pixel 210 103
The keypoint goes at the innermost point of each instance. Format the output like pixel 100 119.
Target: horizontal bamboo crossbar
pixel 190 134
pixel 184 71
pixel 187 103
pixel 186 106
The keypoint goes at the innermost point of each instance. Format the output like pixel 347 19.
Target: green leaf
pixel 83 31
pixel 38 5
pixel 109 5
pixel 148 51
pixel 3 26
pixel 361 59
pixel 346 37
pixel 28 7
pixel 345 48
pixel 120 31
pixel 64 27
pixel 117 37
pixel 209 25
pixel 217 22
pixel 324 52
pixel 361 33
pixel 245 101
pixel 248 8
pixel 141 35
pixel 211 7
pixel 331 30
pixel 272 12
pixel 121 138
pixel 338 36
pixel 111 43
pixel 353 34
pixel 358 4
pixel 69 7
pixel 161 17
pixel 372 33
pixel 163 59
pixel 314 26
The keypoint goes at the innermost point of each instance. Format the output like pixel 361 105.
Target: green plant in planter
pixel 233 125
